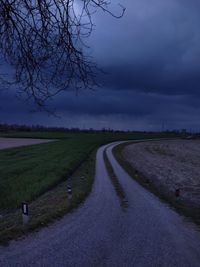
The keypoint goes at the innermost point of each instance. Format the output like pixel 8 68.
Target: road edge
pixel 190 214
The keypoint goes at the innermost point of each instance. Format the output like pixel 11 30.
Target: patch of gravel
pixel 173 164
pixel 16 142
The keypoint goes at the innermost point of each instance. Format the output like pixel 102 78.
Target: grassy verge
pixel 39 175
pixel 118 188
pixel 191 213
pixel 28 172
pixel 51 205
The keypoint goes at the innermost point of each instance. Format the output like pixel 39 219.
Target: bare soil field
pixel 169 165
pixel 16 142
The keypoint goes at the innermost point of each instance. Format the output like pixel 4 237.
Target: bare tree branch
pixel 44 41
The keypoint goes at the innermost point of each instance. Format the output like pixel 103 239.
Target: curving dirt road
pixel 101 233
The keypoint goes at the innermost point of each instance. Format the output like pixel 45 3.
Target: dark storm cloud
pixel 155 47
pixel 152 60
pixel 103 102
pixel 152 78
pixel 124 110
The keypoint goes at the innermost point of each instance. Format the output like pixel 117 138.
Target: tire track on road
pixel 99 233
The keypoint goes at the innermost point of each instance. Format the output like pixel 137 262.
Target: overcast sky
pixel 152 60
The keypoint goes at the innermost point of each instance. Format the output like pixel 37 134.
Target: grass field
pixel 28 172
pixel 51 205
pixel 39 175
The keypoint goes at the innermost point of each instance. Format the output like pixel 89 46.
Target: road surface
pixel 101 233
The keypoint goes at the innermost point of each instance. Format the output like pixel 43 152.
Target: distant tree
pixel 43 40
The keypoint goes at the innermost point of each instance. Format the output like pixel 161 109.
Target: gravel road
pixel 101 233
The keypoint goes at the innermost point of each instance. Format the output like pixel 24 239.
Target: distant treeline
pixel 39 128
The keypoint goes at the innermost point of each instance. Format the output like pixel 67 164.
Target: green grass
pixel 39 175
pixel 51 205
pixel 28 172
pixel 190 212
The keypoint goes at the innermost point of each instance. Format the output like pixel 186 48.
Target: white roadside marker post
pixel 69 192
pixel 25 216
